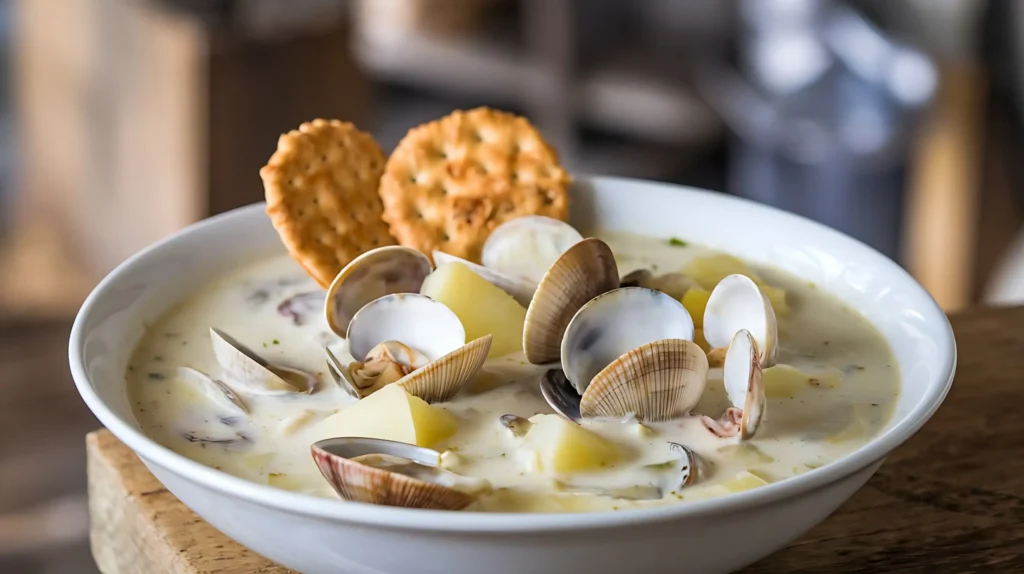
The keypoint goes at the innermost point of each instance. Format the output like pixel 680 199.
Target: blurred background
pixel 121 121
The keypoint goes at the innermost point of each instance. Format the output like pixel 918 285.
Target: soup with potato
pixel 563 374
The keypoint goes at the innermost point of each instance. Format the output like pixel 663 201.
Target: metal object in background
pixel 822 109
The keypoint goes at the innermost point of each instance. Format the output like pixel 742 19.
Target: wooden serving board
pixel 950 500
pixel 138 526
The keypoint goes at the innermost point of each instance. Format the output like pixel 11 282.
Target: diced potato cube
pixel 674 285
pixel 486 380
pixel 696 300
pixel 763 474
pixel 777 297
pixel 254 464
pixel 391 414
pixel 744 480
pixel 784 381
pixel 563 446
pixel 708 271
pixel 746 453
pixel 294 423
pixel 644 431
pixel 432 424
pixel 698 337
pixel 482 307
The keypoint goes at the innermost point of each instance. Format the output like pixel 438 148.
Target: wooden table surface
pixel 950 500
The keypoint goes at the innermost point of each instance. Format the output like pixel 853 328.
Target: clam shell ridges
pixel 754 407
pixel 656 382
pixel 361 483
pixel 444 378
pixel 583 272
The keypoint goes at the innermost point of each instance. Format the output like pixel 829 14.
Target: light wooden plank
pixel 944 190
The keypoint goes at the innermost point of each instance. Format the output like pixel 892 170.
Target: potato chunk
pixel 562 446
pixel 784 381
pixel 777 297
pixel 744 480
pixel 391 414
pixel 708 271
pixel 483 308
pixel 696 300
pixel 698 337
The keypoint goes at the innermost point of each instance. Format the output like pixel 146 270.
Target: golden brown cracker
pixel 450 182
pixel 321 190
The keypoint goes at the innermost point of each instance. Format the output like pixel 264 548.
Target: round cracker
pixel 321 190
pixel 450 182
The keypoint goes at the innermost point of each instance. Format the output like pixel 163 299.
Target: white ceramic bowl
pixel 316 535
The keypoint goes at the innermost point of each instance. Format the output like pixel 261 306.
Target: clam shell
pixel 255 373
pixel 339 372
pixel 560 395
pixel 637 278
pixel 378 272
pixel 689 473
pixel 515 424
pixel 657 381
pixel 442 379
pixel 526 247
pixel 386 363
pixel 410 318
pixel 359 482
pixel 216 391
pixel 744 383
pixel 521 290
pixel 584 271
pixel 616 322
pixel 428 327
pixel 738 303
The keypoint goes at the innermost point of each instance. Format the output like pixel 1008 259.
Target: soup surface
pixel 833 389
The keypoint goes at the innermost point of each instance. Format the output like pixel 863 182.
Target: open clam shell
pixel 416 320
pixel 744 383
pixel 442 379
pixel 658 381
pixel 340 374
pixel 584 271
pixel 253 372
pixel 637 278
pixel 521 290
pixel 737 303
pixel 616 322
pixel 391 473
pixel 672 284
pixel 560 395
pixel 378 272
pixel 428 327
pixel 690 465
pixel 215 391
pixel 518 426
pixel 525 248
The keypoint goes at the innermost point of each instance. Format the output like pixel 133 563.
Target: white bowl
pixel 316 535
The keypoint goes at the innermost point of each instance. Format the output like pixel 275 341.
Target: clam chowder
pixel 786 380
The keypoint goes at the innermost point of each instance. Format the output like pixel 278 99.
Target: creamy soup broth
pixel 845 391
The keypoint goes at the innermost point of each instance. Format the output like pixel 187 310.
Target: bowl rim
pixel 486 522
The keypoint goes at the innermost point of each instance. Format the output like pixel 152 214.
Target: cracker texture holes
pixel 450 182
pixel 321 191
